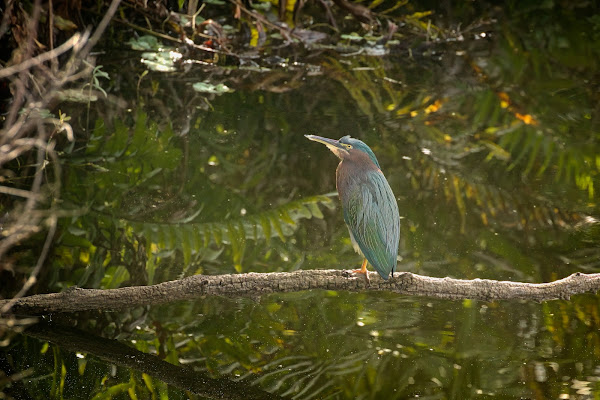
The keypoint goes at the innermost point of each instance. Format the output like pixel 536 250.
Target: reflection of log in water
pixel 120 354
pixel 256 284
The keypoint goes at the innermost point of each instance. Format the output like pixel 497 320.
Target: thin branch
pixel 38 266
pixel 257 16
pixel 8 10
pixel 20 192
pixel 75 40
pixel 112 9
pixel 185 42
pixel 177 376
pixel 256 284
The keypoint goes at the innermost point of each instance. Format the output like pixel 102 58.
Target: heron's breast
pixel 355 243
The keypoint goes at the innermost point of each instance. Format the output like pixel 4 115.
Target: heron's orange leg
pixel 362 270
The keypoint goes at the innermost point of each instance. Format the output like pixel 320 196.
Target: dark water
pixel 490 141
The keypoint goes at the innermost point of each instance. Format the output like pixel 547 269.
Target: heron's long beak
pixel 327 142
pixel 332 144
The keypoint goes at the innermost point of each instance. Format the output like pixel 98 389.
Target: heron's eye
pixel 347 146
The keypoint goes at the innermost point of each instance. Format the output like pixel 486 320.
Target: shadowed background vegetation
pixel 190 158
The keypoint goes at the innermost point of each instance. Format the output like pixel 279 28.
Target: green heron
pixel 370 208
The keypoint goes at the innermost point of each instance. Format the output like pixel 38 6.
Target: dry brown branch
pixel 28 132
pixel 360 12
pixel 75 40
pixel 112 9
pixel 256 284
pixel 286 32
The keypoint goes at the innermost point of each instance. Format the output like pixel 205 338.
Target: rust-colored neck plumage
pixel 353 169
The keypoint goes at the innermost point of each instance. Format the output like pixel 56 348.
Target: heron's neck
pixel 351 171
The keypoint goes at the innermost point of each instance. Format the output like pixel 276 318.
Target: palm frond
pixel 190 237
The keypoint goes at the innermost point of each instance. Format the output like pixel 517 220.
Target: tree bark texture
pixel 256 284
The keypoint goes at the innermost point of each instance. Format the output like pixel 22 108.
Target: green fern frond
pixel 539 153
pixel 490 203
pixel 191 237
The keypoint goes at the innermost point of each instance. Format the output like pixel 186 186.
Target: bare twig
pixel 44 57
pixel 19 192
pixel 8 9
pixel 35 85
pixel 112 9
pixel 33 276
pixel 360 12
pixel 177 40
pixel 258 17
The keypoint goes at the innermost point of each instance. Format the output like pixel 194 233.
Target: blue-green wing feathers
pixel 371 213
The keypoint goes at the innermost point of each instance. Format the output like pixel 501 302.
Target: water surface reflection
pixel 491 146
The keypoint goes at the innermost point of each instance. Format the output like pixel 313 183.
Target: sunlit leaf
pixel 205 87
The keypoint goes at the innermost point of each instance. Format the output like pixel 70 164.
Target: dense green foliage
pixel 486 123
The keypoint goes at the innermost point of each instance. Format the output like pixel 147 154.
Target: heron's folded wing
pixel 371 213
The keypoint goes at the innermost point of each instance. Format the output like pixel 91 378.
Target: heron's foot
pixel 363 270
pixel 365 273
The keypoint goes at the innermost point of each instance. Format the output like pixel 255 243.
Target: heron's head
pixel 345 147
